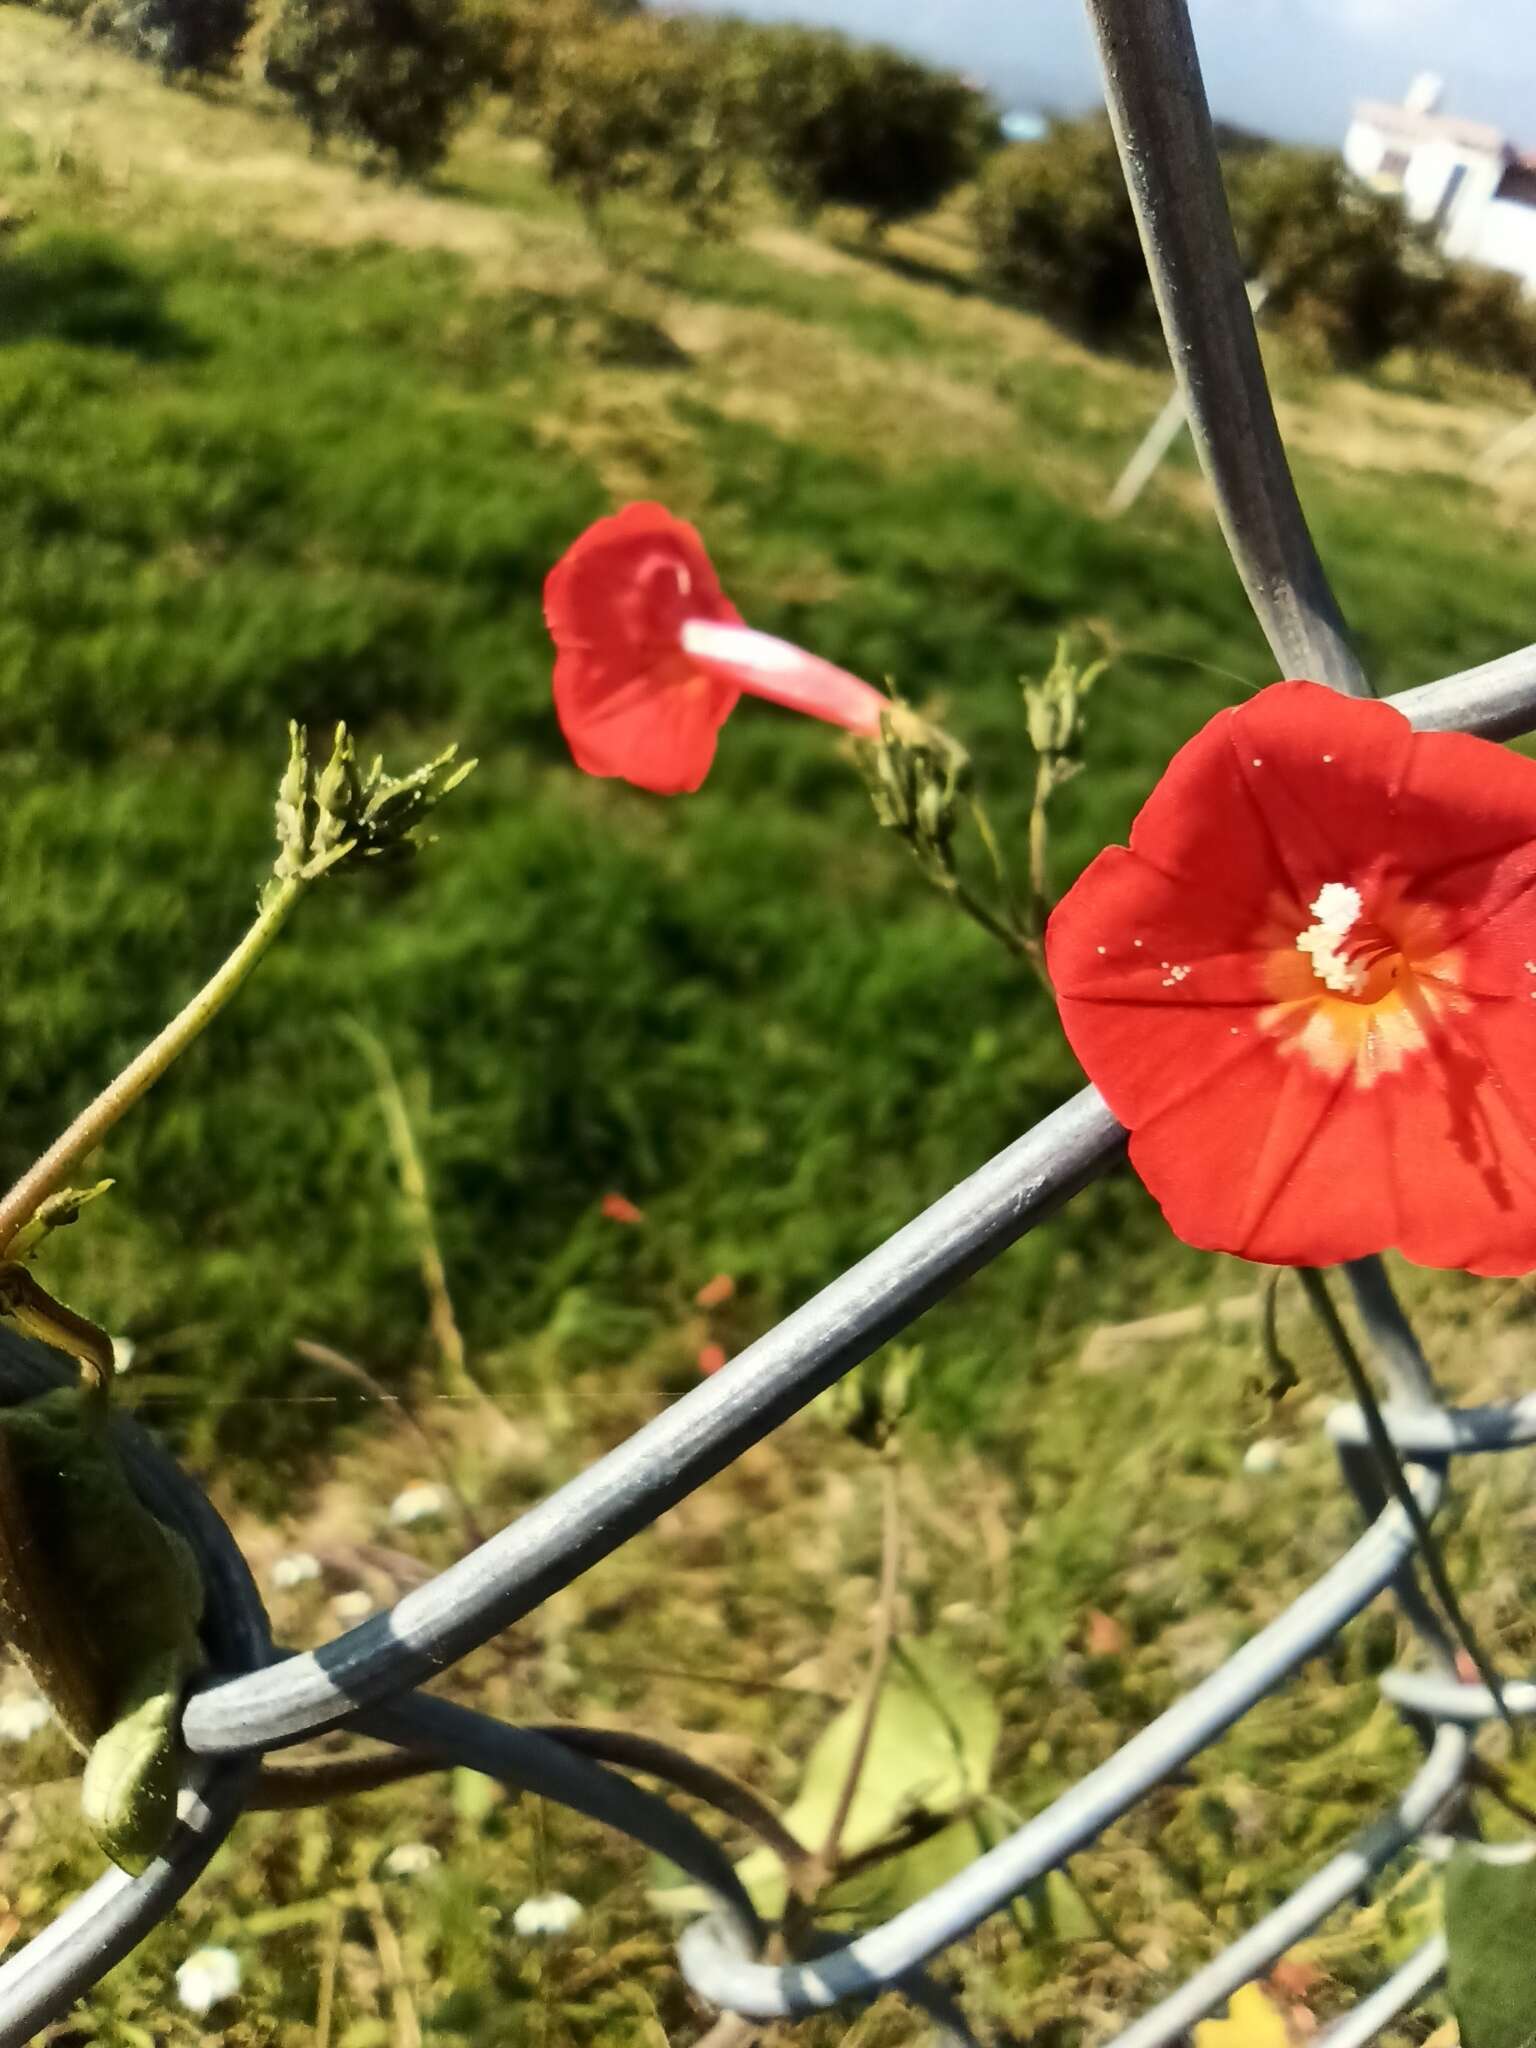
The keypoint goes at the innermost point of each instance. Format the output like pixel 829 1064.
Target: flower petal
pixel 629 704
pixel 1267 1117
pixel 624 587
pixel 785 674
pixel 1465 1147
pixel 656 730
pixel 1288 790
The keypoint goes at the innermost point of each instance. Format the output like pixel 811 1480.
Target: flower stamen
pixel 1337 908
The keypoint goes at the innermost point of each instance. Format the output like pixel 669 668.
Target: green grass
pixel 253 466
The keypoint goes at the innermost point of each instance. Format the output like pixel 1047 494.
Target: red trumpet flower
pixel 1308 987
pixel 651 656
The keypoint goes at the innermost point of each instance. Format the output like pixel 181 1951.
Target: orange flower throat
pixel 1359 991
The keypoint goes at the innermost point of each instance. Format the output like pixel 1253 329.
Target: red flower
pixel 710 1359
pixel 1308 988
pixel 620 1209
pixel 651 655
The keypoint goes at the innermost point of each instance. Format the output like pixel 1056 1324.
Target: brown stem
pixel 660 1760
pixel 281 1787
pixel 331 1360
pixel 316 1782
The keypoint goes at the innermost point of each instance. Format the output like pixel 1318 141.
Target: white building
pixel 1463 177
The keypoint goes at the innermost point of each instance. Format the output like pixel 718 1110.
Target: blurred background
pixel 324 327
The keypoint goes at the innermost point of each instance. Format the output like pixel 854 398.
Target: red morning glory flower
pixel 1308 987
pixel 651 655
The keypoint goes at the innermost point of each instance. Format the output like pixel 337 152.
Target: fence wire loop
pixel 257 1700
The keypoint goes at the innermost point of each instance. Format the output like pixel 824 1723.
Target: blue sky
pixel 1290 67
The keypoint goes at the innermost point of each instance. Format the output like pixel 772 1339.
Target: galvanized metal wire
pixel 256 1699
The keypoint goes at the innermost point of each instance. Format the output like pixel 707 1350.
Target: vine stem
pixel 1397 1480
pixel 53 1169
pixel 879 1663
pixel 1039 889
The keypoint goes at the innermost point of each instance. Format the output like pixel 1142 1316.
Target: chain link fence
pixel 258 1699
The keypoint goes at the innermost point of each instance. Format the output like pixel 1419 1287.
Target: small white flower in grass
pixel 298 1568
pixel 1263 1458
pixel 207 1978
pixel 352 1606
pixel 422 1501
pixel 547 1913
pixel 410 1859
pixel 23 1715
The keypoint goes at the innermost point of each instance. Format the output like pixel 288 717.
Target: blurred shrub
pixel 393 75
pixel 1054 224
pixel 520 39
pixel 841 123
pixel 178 36
pixel 638 103
pixel 1348 273
pixel 1483 318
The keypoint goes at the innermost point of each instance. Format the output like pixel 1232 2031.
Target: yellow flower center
pixel 1359 990
pixel 1348 954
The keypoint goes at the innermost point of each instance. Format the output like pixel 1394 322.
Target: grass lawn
pixel 277 440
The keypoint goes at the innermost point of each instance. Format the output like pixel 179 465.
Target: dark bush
pixel 521 38
pixel 395 76
pixel 1054 224
pixel 1483 318
pixel 639 104
pixel 1347 271
pixel 840 123
pixel 178 36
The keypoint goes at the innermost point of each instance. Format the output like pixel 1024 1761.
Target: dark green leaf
pixel 1490 1919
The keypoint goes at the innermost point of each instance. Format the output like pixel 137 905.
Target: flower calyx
pixel 342 812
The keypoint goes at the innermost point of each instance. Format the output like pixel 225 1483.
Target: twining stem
pixel 990 922
pixel 1021 930
pixel 1397 1482
pixel 676 1767
pixel 1497 1786
pixel 879 1663
pixel 319 1781
pixel 987 833
pixel 1039 885
pixel 50 1173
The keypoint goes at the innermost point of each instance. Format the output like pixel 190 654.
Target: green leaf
pixel 128 1792
pixel 896 1882
pixel 99 1599
pixel 1490 1916
pixel 930 1752
pixel 475 1796
pixel 930 1755
pixel 1058 1911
